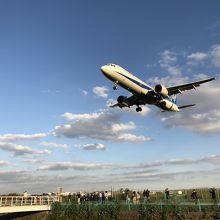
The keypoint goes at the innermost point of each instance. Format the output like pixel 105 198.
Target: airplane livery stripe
pixel 136 82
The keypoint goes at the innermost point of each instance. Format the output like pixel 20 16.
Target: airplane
pixel 143 93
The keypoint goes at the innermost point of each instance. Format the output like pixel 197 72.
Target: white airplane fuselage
pixel 120 76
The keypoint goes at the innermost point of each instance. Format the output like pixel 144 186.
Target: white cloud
pixel 122 127
pixel 101 91
pixel 206 123
pixel 105 126
pixel 33 161
pixel 168 62
pixel 132 138
pixel 92 147
pixel 135 176
pixel 21 149
pixel 212 55
pixel 198 56
pixel 3 163
pixel 215 53
pixel 174 70
pixel 71 165
pixel 167 57
pixel 132 176
pixel 54 145
pixel 212 159
pixel 21 137
pixel 70 117
pixel 34 182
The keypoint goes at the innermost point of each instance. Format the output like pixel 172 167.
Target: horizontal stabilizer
pixel 115 105
pixel 186 106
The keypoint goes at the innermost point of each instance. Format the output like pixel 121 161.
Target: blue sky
pixel 57 128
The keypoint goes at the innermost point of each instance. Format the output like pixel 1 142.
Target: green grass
pixel 116 210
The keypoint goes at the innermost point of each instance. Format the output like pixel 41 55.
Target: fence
pixel 26 200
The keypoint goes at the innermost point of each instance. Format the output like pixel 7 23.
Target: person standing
pixel 128 200
pixel 148 195
pixel 138 197
pixel 144 196
pixel 134 198
pixel 78 198
pixel 213 195
pixel 100 197
pixel 194 196
pixel 167 194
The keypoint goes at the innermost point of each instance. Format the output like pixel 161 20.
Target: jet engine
pixel 123 101
pixel 168 106
pixel 162 90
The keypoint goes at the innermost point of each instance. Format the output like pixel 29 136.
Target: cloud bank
pixel 20 149
pixel 21 137
pixel 99 126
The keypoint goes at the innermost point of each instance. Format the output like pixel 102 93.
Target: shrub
pixel 56 212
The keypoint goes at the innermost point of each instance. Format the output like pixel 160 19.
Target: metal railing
pixel 27 200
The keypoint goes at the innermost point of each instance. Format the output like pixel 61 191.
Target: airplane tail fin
pixel 186 106
pixel 174 100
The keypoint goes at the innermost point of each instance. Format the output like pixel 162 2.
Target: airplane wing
pixel 178 89
pixel 132 100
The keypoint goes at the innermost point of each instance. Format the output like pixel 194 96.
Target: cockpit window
pixel 110 64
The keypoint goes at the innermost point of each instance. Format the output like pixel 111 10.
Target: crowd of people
pixel 135 196
pixel 95 196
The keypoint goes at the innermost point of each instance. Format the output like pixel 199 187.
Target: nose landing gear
pixel 115 87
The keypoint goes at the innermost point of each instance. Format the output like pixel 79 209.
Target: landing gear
pixel 138 109
pixel 115 87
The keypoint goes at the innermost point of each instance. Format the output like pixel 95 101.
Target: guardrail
pixel 27 200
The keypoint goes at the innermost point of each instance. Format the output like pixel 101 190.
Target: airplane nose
pixel 103 69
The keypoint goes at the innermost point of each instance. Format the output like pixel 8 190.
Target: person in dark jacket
pixel 167 194
pixel 213 195
pixel 194 196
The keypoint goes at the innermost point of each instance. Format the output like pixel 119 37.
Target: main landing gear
pixel 138 109
pixel 115 87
